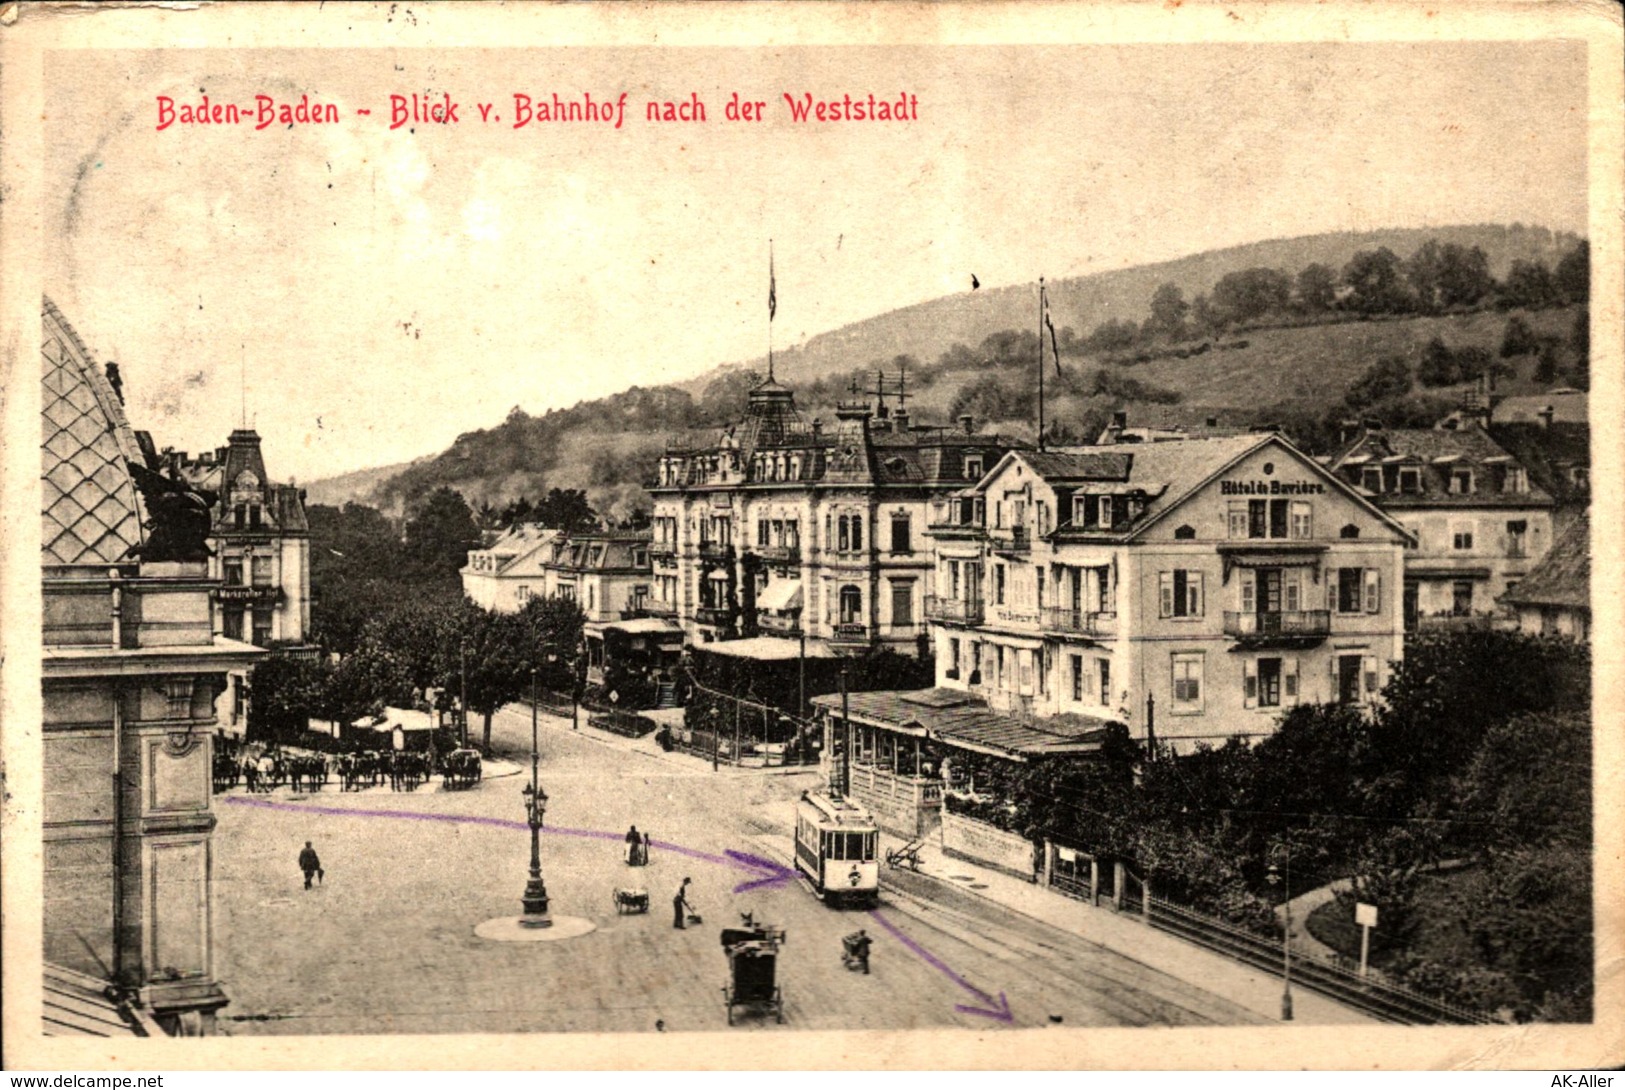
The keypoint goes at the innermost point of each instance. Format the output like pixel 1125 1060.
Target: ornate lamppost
pixel 1286 934
pixel 535 898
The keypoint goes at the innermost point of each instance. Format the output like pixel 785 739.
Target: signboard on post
pixel 1366 916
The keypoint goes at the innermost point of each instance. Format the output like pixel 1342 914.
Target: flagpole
pixel 772 307
pixel 1040 363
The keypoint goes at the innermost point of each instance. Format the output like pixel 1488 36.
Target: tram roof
pixel 838 810
pixel 964 721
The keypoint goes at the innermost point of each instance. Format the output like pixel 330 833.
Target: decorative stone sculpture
pixel 178 520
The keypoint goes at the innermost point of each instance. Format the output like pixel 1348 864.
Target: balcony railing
pixel 1078 622
pixel 662 548
pixel 716 550
pixel 1280 625
pixel 712 615
pixel 649 607
pixel 780 554
pixel 953 610
pixel 1017 539
pixel 848 632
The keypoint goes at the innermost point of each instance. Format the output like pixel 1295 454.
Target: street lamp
pixel 1286 934
pixel 535 898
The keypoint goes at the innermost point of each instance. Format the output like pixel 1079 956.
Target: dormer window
pixel 1580 476
pixel 1371 479
pixel 1517 480
pixel 1461 482
pixel 1103 512
pixel 1410 480
pixel 973 467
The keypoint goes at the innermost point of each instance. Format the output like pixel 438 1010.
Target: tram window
pixel 828 847
pixel 868 846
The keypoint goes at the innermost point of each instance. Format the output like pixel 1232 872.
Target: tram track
pixel 1129 992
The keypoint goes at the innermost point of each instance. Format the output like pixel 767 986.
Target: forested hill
pixel 607 446
pixel 1083 302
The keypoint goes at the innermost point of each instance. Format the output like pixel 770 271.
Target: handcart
pixel 631 901
pixel 753 953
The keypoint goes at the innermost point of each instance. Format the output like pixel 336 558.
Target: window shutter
pixel 1368 667
pixel 1290 590
pixel 1373 590
pixel 1249 673
pixel 1249 591
pixel 1331 589
pixel 1289 681
pixel 1165 587
pixel 1193 585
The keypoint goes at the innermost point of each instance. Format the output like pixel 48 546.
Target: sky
pixel 364 295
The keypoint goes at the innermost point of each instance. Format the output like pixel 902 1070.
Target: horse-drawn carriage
pixel 753 953
pixel 460 769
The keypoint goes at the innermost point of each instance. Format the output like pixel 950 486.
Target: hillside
pixel 608 446
pixel 335 491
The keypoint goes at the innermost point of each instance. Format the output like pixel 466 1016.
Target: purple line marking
pixel 996 1009
pixel 776 874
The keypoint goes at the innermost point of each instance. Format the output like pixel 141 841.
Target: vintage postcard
pixel 817 535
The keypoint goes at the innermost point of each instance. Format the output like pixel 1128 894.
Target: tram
pixel 835 849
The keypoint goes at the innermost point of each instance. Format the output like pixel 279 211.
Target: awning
pixel 780 595
pixel 1303 556
pixel 766 649
pixel 1413 572
pixel 719 574
pixel 643 626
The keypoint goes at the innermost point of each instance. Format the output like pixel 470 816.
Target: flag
pixel 772 289
pixel 1043 299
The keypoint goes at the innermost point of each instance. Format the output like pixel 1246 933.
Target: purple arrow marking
pixel 769 874
pixel 996 1009
pixel 776 874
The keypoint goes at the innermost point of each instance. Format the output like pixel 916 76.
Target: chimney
pixel 967 424
pixel 1120 419
pixel 1546 416
pixel 817 428
pixel 1348 431
pixel 900 421
pixel 1371 424
pixel 115 381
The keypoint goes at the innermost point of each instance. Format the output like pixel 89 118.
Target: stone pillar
pixel 1118 872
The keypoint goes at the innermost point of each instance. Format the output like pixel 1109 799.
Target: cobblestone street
pixel 387 943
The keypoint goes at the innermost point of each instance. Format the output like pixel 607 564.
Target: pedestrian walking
pixel 633 841
pixel 647 841
pixel 310 864
pixel 680 908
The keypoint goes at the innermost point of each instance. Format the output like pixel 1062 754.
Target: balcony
pixel 849 634
pixel 1078 622
pixel 1017 541
pixel 716 550
pixel 1301 628
pixel 661 549
pixel 716 616
pixel 953 610
pixel 780 554
pixel 649 607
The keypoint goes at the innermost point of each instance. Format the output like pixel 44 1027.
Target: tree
pixel 1251 294
pixel 1518 339
pixel 1463 277
pixel 1168 311
pixel 1387 378
pixel 566 509
pixel 1572 278
pixel 285 691
pixel 1422 273
pixel 1546 369
pixel 1112 335
pixel 1438 366
pixel 1375 283
pixel 1580 340
pixel 1316 290
pixel 440 536
pixel 1529 284
pixel 365 682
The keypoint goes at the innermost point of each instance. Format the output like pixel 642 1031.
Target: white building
pixel 1202 584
